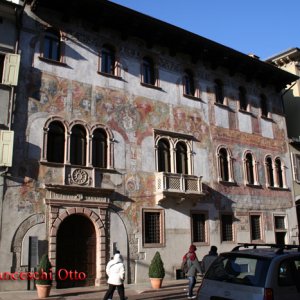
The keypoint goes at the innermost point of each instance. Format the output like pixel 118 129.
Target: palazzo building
pixel 135 135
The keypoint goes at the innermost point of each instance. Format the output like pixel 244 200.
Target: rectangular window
pixel 199 221
pixel 243 99
pixel 280 229
pixel 255 221
pixel 279 223
pixel 52 46
pixel 153 222
pixel 227 228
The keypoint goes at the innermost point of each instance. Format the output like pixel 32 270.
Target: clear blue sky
pixel 262 27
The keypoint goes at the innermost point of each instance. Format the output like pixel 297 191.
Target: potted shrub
pixel 156 271
pixel 44 281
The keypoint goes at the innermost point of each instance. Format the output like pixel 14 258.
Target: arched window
pixel 249 167
pixel 51 45
pixel 181 158
pixel 263 106
pixel 243 98
pixel 108 60
pixel 269 172
pixel 56 142
pixel 78 146
pixel 219 91
pixel 278 172
pixel 223 165
pixel 188 83
pixel 148 71
pixel 163 158
pixel 99 148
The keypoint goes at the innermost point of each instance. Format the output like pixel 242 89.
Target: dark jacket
pixel 207 260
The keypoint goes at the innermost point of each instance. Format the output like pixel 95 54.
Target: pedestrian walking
pixel 193 267
pixel 115 271
pixel 209 258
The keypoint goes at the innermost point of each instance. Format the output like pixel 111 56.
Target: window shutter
pixel 11 69
pixel 6 147
pixel 296 166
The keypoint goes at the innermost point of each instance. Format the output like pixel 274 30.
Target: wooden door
pixel 76 251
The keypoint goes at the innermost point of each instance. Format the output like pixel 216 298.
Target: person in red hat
pixel 193 268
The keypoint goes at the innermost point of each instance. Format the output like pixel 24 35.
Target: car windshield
pixel 239 269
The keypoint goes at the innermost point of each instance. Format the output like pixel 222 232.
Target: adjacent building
pixel 132 134
pixel 10 14
pixel 289 60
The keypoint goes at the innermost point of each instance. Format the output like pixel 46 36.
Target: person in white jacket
pixel 115 270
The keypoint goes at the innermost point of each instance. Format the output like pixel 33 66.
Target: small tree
pixel 45 271
pixel 156 268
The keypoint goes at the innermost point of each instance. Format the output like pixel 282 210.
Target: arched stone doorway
pixel 76 250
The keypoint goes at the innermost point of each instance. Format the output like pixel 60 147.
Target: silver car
pixel 254 272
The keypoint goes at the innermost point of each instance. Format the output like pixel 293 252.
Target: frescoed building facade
pixel 135 135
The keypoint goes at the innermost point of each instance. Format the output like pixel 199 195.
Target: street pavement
pixel 170 290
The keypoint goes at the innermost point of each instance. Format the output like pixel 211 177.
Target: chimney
pixel 253 55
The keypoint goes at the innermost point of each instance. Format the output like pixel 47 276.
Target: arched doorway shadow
pixel 76 251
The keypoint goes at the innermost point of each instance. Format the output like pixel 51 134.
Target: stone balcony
pixel 78 182
pixel 177 186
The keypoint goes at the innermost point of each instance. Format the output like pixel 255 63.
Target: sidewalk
pixel 170 290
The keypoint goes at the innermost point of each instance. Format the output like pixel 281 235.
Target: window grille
pixel 255 228
pixel 227 231
pixel 198 228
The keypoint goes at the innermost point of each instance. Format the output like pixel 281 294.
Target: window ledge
pixel 245 112
pixel 221 104
pixel 255 186
pixel 192 97
pixel 51 164
pixel 228 242
pixel 276 188
pixel 52 61
pixel 56 164
pixel 201 243
pixel 229 183
pixel 266 118
pixel 106 170
pixel 224 106
pixel 110 75
pixel 257 241
pixel 148 85
pixel 153 245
